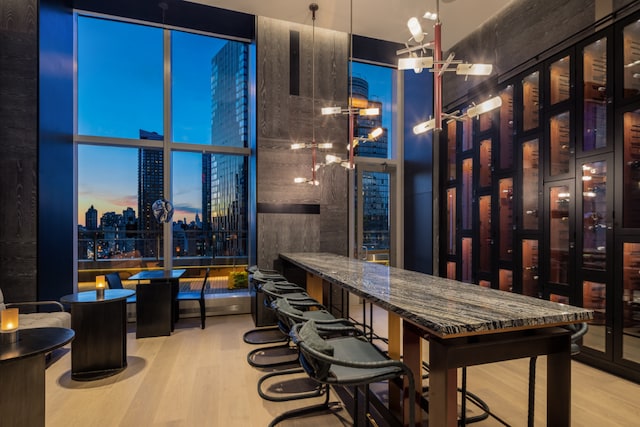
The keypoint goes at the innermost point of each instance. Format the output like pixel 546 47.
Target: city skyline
pixel 107 175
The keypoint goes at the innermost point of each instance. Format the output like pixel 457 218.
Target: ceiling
pixel 379 19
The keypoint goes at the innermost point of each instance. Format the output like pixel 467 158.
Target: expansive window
pixel 146 132
pixel 372 87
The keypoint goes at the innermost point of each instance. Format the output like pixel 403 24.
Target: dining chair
pixel 114 282
pixel 196 296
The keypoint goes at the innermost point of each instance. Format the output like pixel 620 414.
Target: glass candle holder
pixel 9 325
pixel 100 286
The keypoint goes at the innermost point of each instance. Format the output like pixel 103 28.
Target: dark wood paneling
pixel 19 146
pixel 283 119
pixel 286 233
pixel 522 31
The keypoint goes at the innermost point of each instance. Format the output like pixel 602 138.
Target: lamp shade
pixel 424 127
pixel 484 107
pixel 415 63
pixel 331 110
pixel 375 133
pixel 369 112
pixel 474 69
pixel 415 29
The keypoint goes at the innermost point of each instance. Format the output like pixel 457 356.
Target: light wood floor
pixel 201 378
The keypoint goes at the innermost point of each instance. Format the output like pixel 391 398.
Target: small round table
pixel 100 347
pixel 22 374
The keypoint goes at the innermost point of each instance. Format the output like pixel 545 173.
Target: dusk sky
pixel 120 92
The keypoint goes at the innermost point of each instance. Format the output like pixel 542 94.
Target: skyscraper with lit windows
pixel 150 189
pixel 227 174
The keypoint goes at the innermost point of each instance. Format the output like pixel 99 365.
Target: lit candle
pixel 9 319
pixel 100 286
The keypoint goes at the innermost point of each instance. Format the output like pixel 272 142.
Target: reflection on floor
pixel 200 377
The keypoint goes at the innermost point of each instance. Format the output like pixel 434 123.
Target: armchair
pixel 57 318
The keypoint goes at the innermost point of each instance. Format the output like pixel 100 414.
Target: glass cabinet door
pixel 596 228
pixel 485 163
pixel 467 193
pixel 594 215
pixel 506 128
pixel 530 101
pixel 466 260
pixel 559 144
pixel 631 59
pixel 451 221
pixel 486 240
pixel 631 301
pixel 505 226
pixel 594 79
pixel 530 268
pixel 559 202
pixel 530 183
pixel 560 80
pixel 451 149
pixel 631 170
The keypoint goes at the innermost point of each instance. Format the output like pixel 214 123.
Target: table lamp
pixel 9 325
pixel 100 287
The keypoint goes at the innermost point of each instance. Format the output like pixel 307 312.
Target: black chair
pixel 282 354
pixel 114 282
pixel 288 316
pixel 196 296
pixel 349 361
pixel 577 332
pixel 267 332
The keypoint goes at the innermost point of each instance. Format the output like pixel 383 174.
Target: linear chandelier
pixel 313 145
pixel 417 59
pixel 353 111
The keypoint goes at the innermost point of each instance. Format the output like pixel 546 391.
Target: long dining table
pixel 465 325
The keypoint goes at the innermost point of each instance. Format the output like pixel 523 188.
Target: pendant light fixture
pixel 313 145
pixel 351 111
pixel 419 59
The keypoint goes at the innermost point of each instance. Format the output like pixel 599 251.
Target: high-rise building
pixel 227 186
pixel 150 189
pixel 375 184
pixel 91 218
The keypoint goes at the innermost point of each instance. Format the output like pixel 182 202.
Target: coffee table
pixel 100 347
pixel 22 374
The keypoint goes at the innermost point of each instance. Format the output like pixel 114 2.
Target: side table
pixel 22 374
pixel 100 347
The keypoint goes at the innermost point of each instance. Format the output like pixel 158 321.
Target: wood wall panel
pixel 19 147
pixel 522 31
pixel 286 233
pixel 283 119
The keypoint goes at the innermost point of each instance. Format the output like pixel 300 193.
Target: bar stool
pixel 269 334
pixel 284 354
pixel 288 316
pixel 349 361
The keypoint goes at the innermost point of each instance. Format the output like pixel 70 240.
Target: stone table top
pixel 443 307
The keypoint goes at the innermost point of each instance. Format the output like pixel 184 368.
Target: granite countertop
pixel 444 307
